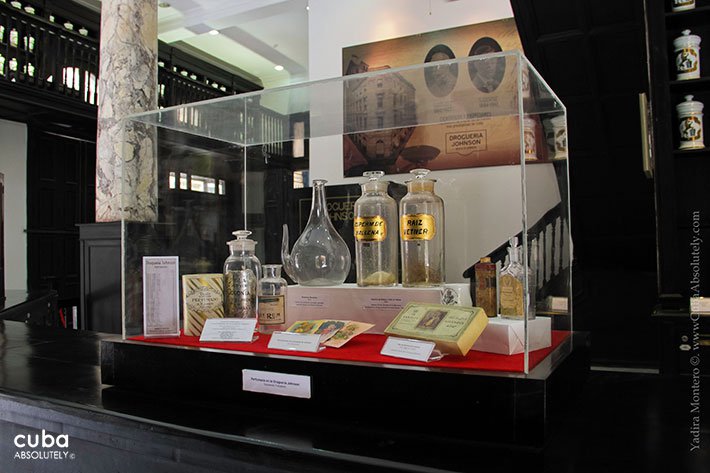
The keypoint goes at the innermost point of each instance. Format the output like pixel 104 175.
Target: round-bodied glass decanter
pixel 272 300
pixel 320 256
pixel 422 233
pixel 242 271
pixel 375 228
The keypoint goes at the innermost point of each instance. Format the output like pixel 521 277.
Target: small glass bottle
pixel 272 300
pixel 486 291
pixel 512 283
pixel 375 228
pixel 422 233
pixel 242 271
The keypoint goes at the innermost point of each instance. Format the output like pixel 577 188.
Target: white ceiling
pixel 255 35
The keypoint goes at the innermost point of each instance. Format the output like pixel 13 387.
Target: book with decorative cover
pixel 201 300
pixel 454 329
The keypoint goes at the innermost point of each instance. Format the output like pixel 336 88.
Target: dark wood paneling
pixel 101 277
pixel 60 177
pixel 591 53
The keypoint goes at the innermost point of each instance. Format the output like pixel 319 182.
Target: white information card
pixel 281 384
pixel 228 330
pixel 161 296
pixel 417 350
pixel 292 341
pixel 699 305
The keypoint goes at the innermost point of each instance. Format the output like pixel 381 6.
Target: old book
pixel 454 329
pixel 201 300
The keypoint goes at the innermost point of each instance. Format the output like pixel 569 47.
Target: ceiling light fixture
pixel 214 32
pixel 163 4
pixel 279 67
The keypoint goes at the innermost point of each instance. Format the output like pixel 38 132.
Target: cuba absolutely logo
pixel 44 446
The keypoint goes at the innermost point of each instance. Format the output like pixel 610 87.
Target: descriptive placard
pixel 228 330
pixel 384 303
pixel 313 301
pixel 161 296
pixel 280 384
pixel 309 342
pixel 558 303
pixel 417 350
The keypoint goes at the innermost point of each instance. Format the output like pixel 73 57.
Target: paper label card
pixel 308 342
pixel 417 350
pixel 347 333
pixel 280 384
pixel 228 330
pixel 699 305
pixel 161 296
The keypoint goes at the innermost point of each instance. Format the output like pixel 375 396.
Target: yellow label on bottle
pixel 417 227
pixel 370 228
pixel 511 297
pixel 271 310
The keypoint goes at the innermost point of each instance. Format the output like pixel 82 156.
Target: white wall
pixel 13 164
pixel 483 205
pixel 335 24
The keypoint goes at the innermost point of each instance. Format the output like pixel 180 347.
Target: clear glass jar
pixel 272 300
pixel 422 233
pixel 242 271
pixel 375 228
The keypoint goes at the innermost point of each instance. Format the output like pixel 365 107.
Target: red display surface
pixel 366 348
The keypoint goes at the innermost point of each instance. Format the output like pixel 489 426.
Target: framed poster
pixel 386 102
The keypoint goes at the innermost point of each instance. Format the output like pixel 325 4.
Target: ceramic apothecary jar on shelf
pixel 690 115
pixel 681 5
pixel 529 138
pixel 687 56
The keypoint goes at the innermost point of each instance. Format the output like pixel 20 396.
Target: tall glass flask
pixel 242 271
pixel 422 233
pixel 375 228
pixel 272 300
pixel 320 256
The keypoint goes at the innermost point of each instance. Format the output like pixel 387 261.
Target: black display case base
pixel 462 406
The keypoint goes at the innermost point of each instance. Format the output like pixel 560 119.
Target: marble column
pixel 127 84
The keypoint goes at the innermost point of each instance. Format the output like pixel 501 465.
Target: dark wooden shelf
pixel 691 19
pixel 694 84
pixel 686 153
pixel 687 13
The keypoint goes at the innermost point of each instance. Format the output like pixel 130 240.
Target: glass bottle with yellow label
pixel 375 228
pixel 512 285
pixel 422 233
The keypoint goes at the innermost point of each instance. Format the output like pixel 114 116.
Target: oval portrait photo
pixel 441 80
pixel 486 74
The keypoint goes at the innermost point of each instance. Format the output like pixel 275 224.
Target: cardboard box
pixel 374 305
pixel 507 336
pixel 454 329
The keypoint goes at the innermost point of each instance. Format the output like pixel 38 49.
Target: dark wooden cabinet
pixel 100 302
pixel 682 194
pixel 681 190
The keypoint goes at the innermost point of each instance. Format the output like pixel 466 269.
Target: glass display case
pixel 494 139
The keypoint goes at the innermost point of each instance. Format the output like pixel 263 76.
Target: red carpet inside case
pixel 366 348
